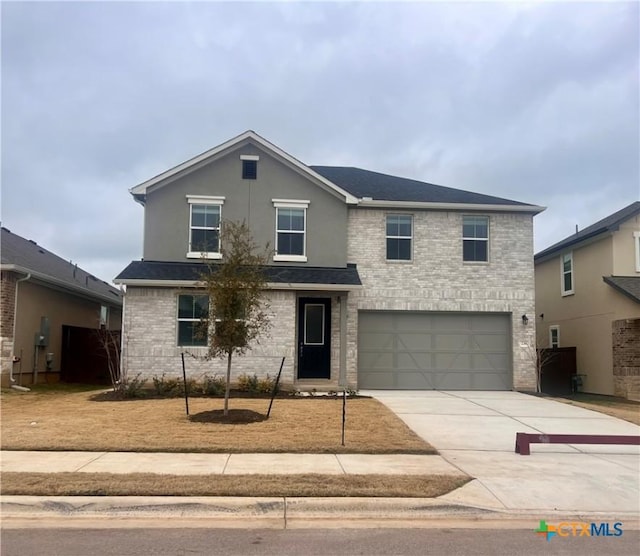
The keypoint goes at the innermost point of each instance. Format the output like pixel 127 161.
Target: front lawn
pixel 64 419
pixel 621 408
pixel 147 484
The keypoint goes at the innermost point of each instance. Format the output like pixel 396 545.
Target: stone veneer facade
pixel 7 316
pixel 150 338
pixel 436 280
pixel 626 358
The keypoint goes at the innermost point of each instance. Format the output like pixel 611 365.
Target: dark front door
pixel 314 337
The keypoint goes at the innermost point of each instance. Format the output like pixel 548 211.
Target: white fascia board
pixel 269 285
pixel 375 203
pixel 141 189
pixel 312 287
pixel 142 282
pixel 58 284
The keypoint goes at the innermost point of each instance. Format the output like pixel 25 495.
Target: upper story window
pixel 204 226
pixel 554 336
pixel 567 273
pixel 192 313
pixel 475 239
pixel 291 230
pixel 399 237
pixel 249 166
pixel 636 245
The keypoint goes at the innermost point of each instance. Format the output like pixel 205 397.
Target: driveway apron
pixel 475 431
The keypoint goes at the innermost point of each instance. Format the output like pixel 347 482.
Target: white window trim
pixel 410 237
pixel 249 157
pixel 636 245
pixel 203 200
pixel 477 239
pixel 562 274
pixel 557 329
pixel 295 204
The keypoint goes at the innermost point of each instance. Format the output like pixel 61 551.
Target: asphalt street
pixel 312 542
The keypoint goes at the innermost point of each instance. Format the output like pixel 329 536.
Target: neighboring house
pixel 588 297
pixel 42 294
pixel 376 281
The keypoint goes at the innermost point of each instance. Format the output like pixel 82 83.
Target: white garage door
pixel 444 351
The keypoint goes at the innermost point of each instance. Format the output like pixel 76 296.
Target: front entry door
pixel 314 337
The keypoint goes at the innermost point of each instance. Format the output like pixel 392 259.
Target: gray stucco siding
pixel 166 233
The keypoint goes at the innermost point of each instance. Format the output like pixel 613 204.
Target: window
pixel 192 313
pixel 291 227
pixel 204 226
pixel 249 166
pixel 567 273
pixel 399 236
pixel 636 242
pixel 554 336
pixel 249 170
pixel 475 239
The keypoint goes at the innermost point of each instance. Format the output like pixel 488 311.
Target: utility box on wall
pixel 42 337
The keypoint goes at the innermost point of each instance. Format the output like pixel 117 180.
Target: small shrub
pixel 254 385
pixel 212 385
pixel 247 383
pixel 133 388
pixel 192 387
pixel 266 385
pixel 167 387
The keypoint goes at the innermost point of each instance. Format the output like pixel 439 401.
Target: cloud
pixel 537 102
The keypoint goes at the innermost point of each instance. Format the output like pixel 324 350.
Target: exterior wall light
pixel 525 320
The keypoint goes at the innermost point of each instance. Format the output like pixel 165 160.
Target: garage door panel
pixel 377 360
pixel 414 350
pixel 410 361
pixel 450 341
pixel 414 341
pixel 380 381
pixel 414 381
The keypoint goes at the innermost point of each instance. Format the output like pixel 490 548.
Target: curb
pixel 274 512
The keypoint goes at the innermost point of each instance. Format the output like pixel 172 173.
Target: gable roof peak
pixel 607 224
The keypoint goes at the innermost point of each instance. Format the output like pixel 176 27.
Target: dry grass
pixel 68 420
pixel 628 410
pixel 144 484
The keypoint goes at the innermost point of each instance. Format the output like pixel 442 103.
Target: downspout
pixel 15 318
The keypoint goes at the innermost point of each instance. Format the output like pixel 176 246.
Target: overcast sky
pixel 537 103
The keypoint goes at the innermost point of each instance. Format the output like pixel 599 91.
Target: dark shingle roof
pixel 383 187
pixel 28 256
pixel 608 224
pixel 626 285
pixel 158 270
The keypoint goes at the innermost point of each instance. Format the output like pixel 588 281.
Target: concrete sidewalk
pixel 224 464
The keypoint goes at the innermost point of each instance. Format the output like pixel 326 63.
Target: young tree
pixel 237 301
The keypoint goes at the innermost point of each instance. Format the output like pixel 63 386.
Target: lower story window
pixel 554 336
pixel 193 311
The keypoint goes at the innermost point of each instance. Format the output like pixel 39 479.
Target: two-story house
pixel 50 312
pixel 588 297
pixel 376 281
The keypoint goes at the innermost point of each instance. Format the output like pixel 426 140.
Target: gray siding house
pixel 375 282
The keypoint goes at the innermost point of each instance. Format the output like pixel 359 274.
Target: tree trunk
pixel 228 385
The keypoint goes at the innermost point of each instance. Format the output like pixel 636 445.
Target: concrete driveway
pixel 475 431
